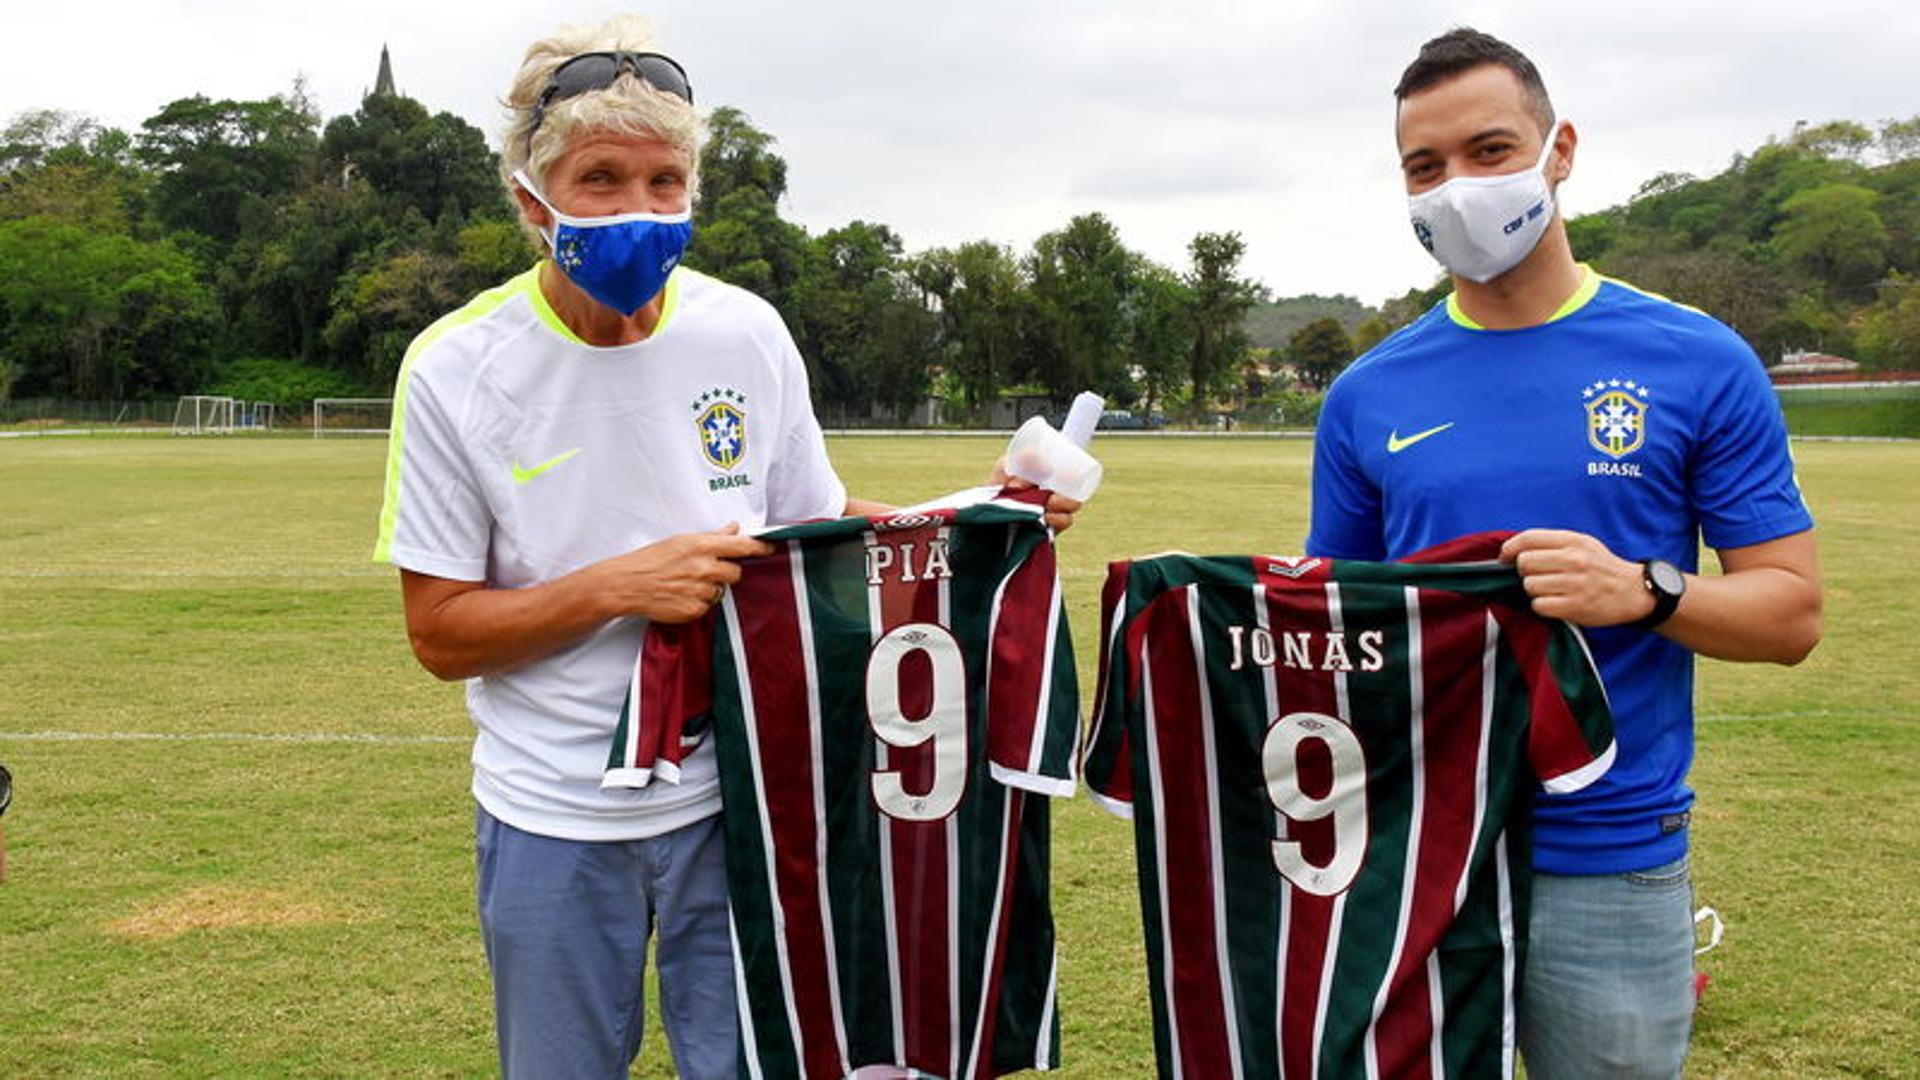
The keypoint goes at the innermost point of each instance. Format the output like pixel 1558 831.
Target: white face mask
pixel 1480 227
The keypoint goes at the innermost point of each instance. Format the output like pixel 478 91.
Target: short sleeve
pixel 671 687
pixel 1033 698
pixel 1570 740
pixel 433 519
pixel 1742 471
pixel 1107 763
pixel 1346 521
pixel 802 485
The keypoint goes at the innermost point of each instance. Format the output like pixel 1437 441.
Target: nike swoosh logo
pixel 1395 443
pixel 524 475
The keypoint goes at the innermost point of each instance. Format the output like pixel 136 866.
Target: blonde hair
pixel 629 106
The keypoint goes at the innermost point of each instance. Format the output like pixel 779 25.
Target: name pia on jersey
pixel 907 562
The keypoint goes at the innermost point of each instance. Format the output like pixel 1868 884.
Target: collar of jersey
pixel 1589 284
pixel 530 282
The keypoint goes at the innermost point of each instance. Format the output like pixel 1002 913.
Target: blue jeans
pixel 1608 988
pixel 565 924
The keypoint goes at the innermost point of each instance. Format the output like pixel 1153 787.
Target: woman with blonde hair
pixel 574 453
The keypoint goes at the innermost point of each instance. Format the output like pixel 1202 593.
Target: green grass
pixel 1853 411
pixel 272 907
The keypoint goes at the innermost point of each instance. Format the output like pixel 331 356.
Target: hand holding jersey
pixel 677 579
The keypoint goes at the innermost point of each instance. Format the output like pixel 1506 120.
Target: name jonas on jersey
pixel 1305 650
pixel 907 562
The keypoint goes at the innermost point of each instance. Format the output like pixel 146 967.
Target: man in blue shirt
pixel 1615 430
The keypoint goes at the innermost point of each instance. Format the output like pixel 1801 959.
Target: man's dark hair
pixel 1462 49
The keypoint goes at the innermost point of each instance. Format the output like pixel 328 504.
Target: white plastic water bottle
pixel 1058 460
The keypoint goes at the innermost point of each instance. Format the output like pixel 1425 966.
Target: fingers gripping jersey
pixel 1329 768
pixel 886 695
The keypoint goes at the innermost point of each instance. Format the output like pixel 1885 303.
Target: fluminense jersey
pixel 1626 417
pixel 1329 768
pixel 885 695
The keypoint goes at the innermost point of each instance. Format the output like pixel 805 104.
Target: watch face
pixel 1666 577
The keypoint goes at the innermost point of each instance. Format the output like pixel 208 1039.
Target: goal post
pixel 205 414
pixel 351 416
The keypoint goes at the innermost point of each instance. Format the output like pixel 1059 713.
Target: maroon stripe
pixel 776 667
pixel 675 675
pixel 1453 637
pixel 918 848
pixel 1112 595
pixel 1555 744
pixel 1020 660
pixel 1186 854
pixel 1117 782
pixel 982 1063
pixel 1292 609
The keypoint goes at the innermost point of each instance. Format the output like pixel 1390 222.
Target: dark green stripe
pixel 749 889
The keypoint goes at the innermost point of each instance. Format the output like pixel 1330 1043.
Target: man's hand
pixel 677 579
pixel 1573 576
pixel 1059 508
pixel 1765 604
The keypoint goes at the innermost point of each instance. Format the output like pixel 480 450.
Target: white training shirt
pixel 520 454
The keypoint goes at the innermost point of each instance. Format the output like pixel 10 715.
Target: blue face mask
pixel 622 260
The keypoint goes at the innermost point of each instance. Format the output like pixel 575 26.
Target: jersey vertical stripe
pixel 920 899
pixel 1270 697
pixel 1326 999
pixel 817 734
pixel 1311 923
pixel 1210 804
pixel 789 820
pixel 1410 1024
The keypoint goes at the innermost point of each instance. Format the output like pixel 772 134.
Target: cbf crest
pixel 1616 416
pixel 720 420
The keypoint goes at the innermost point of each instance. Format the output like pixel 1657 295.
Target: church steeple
pixel 383 85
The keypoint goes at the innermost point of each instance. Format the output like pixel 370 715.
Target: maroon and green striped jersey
pixel 1329 766
pixel 892 701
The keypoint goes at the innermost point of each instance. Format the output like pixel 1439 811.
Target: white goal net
pixel 205 414
pixel 351 416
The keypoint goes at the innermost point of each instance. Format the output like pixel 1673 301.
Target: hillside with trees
pixel 251 248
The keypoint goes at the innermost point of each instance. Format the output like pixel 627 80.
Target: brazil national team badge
pixel 720 420
pixel 1616 416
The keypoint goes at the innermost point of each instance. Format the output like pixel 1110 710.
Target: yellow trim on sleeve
pixel 1650 294
pixel 478 307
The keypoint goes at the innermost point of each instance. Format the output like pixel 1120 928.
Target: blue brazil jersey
pixel 1644 423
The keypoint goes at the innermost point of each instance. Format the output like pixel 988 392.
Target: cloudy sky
pixel 1001 119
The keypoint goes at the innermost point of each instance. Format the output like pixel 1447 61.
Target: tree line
pixel 246 247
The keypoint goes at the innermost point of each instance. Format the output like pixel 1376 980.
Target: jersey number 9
pixel 1345 801
pixel 944 726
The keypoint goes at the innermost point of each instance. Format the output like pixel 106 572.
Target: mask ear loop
pixel 1546 152
pixel 552 234
pixel 1715 930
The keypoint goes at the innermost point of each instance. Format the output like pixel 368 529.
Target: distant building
pixel 383 83
pixel 1803 366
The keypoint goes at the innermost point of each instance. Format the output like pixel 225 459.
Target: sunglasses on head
pixel 598 70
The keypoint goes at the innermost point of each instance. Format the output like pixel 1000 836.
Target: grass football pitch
pixel 241 839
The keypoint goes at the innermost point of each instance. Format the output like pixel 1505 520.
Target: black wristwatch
pixel 1667 584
